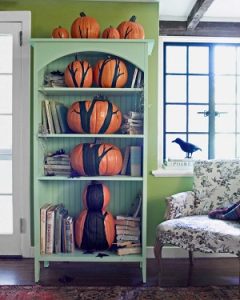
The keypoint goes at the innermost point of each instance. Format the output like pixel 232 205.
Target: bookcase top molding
pixel 48 49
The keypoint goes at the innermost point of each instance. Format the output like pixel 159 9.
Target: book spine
pixel 50 232
pixel 125 160
pixel 55 117
pixel 62 117
pixel 49 117
pixel 136 161
pixel 43 218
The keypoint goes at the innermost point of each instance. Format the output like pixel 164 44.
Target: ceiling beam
pixel 214 29
pixel 197 12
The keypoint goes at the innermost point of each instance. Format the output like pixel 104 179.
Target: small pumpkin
pixel 131 29
pixel 110 73
pixel 110 33
pixel 78 73
pixel 94 230
pixel 96 159
pixel 60 33
pixel 85 27
pixel 96 116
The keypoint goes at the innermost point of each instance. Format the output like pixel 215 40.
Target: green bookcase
pixel 55 54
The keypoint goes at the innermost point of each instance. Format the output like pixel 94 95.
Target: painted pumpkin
pixel 110 33
pixel 85 27
pixel 110 73
pixel 94 230
pixel 78 74
pixel 60 33
pixel 96 159
pixel 96 196
pixel 96 116
pixel 131 29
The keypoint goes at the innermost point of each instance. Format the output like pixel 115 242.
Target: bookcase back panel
pixel 123 195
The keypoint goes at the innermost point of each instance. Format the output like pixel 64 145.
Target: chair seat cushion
pixel 200 233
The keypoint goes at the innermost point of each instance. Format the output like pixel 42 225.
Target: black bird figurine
pixel 186 147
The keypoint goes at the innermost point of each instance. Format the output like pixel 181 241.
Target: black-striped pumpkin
pixel 78 74
pixel 110 73
pixel 96 159
pixel 97 116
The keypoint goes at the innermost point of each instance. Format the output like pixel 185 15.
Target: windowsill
pixel 169 172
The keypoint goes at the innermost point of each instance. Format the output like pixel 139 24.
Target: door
pixel 10 138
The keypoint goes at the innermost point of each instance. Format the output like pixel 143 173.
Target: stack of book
pixel 128 235
pixel 56 230
pixel 54 117
pixel 54 79
pixel 132 123
pixel 137 78
pixel 57 165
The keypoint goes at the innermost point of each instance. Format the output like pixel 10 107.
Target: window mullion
pixel 211 136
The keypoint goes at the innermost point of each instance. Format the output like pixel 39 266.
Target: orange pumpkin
pixel 96 159
pixel 85 27
pixel 91 233
pixel 78 74
pixel 97 116
pixel 110 73
pixel 110 33
pixel 60 33
pixel 131 29
pixel 96 196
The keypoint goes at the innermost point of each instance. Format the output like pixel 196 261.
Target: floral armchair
pixel 216 185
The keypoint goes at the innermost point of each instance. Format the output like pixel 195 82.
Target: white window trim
pixel 164 171
pixel 24 17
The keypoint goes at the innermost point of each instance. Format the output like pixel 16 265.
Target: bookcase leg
pixel 144 271
pixel 37 270
pixel 46 264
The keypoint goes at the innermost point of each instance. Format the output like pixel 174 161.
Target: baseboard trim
pixel 176 252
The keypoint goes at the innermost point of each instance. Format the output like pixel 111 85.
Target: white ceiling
pixel 220 10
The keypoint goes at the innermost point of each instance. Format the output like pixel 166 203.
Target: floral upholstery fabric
pixel 200 233
pixel 216 184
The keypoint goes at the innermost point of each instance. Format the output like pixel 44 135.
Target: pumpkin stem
pixel 59 26
pixel 82 14
pixel 76 57
pixel 100 97
pixel 133 19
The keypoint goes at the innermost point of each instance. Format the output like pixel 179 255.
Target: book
pixel 55 117
pixel 57 167
pixel 136 161
pixel 44 119
pixel 125 160
pixel 139 79
pixel 129 244
pixel 126 227
pixel 49 117
pixel 124 222
pixel 43 227
pixel 125 237
pixel 129 250
pixel 60 213
pixel 128 232
pixel 62 117
pixel 50 229
pixel 127 218
pixel 134 77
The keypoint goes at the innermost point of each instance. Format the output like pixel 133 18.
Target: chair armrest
pixel 180 205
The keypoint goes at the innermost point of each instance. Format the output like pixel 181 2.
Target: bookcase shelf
pixel 54 55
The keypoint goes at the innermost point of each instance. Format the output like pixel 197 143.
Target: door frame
pixel 24 17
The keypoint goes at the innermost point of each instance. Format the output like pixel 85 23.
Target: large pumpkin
pixel 110 73
pixel 60 33
pixel 94 230
pixel 96 196
pixel 78 74
pixel 96 116
pixel 96 159
pixel 131 29
pixel 85 27
pixel 110 33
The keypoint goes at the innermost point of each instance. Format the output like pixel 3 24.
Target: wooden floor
pixel 176 272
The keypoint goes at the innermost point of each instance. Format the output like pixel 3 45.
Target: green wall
pixel 46 15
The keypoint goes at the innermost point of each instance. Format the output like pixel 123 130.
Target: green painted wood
pixel 52 54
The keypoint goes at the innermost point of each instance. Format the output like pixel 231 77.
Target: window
pixel 201 99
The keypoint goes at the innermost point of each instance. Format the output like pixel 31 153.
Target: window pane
pixel 225 122
pixel 198 89
pixel 5 176
pixel 6 49
pixel 201 141
pixel 198 59
pixel 225 60
pixel 6 214
pixel 175 118
pixel 238 118
pixel 197 122
pixel 173 150
pixel 238 146
pixel 225 89
pixel 238 60
pixel 176 59
pixel 5 132
pixel 6 93
pixel 175 88
pixel 225 146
